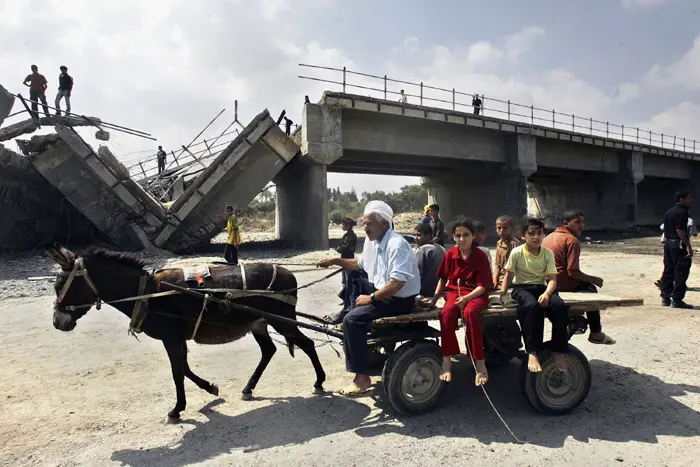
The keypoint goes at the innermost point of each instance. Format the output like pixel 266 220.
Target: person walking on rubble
pixel 37 91
pixel 161 155
pixel 234 236
pixel 65 86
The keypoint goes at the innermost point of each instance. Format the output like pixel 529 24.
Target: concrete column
pixel 322 133
pixel 631 172
pixel 301 214
pixel 489 190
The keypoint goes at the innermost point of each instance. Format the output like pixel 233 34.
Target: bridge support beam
pixel 490 190
pixel 301 214
pixel 609 200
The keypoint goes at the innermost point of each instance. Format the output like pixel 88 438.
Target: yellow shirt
pixel 233 229
pixel 530 269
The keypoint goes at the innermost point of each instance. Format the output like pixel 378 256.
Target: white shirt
pixel 391 258
pixel 403 99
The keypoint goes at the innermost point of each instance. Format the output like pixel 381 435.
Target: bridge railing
pixel 423 94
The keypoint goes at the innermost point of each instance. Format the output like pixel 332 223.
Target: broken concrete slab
pixel 99 187
pixel 33 212
pixel 30 126
pixel 237 175
pixel 7 100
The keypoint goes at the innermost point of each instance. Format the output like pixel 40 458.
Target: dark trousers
pixel 356 324
pixel 477 110
pixel 676 270
pixel 356 284
pixel 231 254
pixel 531 316
pixel 161 165
pixel 594 322
pixel 36 96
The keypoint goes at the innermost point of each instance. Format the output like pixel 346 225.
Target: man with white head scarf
pixel 391 267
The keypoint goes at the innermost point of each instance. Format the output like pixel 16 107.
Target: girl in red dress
pixel 465 273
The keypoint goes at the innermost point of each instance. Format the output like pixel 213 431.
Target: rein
pixel 141 307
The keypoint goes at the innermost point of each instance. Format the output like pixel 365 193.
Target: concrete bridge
pixel 477 166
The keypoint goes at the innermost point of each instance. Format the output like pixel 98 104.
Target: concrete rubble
pixel 98 192
pixel 7 100
pixel 34 212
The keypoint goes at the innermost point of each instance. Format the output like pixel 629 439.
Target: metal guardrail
pixel 449 98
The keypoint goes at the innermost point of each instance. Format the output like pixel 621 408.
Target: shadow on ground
pixel 623 405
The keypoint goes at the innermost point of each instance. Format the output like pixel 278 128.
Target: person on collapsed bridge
pixel 465 272
pixel 567 252
pixel 392 270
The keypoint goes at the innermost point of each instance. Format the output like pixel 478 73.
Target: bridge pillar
pixel 489 190
pixel 609 200
pixel 301 214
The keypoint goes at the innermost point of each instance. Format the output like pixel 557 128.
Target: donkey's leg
pixel 268 349
pixel 202 383
pixel 176 354
pixel 296 337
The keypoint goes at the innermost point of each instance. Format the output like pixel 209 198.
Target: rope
pixel 471 357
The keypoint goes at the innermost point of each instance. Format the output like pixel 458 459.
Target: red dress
pixel 462 278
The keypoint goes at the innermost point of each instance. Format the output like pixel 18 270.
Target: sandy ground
pixel 97 397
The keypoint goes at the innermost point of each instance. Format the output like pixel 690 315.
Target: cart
pixel 405 351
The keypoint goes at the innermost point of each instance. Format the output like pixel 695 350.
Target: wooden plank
pixel 579 302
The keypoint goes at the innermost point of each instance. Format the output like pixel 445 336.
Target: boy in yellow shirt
pixel 234 236
pixel 533 272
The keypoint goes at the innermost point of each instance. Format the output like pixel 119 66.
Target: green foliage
pixel 410 198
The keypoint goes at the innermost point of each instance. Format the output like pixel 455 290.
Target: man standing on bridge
pixel 37 91
pixel 392 269
pixel 162 156
pixel 476 102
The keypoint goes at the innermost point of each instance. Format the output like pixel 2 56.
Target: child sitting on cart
pixel 533 272
pixel 465 272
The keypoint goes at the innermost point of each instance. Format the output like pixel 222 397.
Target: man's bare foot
pixel 560 361
pixel 446 375
pixel 362 381
pixel 533 364
pixel 482 376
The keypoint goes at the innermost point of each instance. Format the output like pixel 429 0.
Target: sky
pixel 168 67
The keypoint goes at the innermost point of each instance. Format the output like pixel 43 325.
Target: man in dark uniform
pixel 678 252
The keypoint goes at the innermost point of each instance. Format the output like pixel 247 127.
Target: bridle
pixel 77 271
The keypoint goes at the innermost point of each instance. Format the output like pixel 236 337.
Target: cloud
pixel 681 119
pixel 522 41
pixel 683 72
pixel 642 3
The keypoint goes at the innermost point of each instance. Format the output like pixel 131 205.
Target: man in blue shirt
pixel 391 267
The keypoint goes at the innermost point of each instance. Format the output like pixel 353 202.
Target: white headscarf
pixel 381 209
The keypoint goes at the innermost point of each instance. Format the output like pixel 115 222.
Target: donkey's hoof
pixel 247 396
pixel 172 419
pixel 319 390
pixel 213 389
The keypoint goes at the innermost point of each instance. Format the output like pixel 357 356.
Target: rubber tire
pixel 395 367
pixel 530 381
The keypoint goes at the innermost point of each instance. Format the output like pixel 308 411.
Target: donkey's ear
pixel 60 255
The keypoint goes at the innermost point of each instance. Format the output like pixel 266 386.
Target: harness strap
pixel 245 283
pixel 138 316
pixel 201 313
pixel 274 276
pixel 130 299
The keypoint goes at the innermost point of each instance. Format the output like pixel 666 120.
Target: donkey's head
pixel 74 297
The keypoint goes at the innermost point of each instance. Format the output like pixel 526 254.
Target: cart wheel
pixel 411 377
pixel 555 392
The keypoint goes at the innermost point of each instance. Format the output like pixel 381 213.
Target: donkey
pixel 101 275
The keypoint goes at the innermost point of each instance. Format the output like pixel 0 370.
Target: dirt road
pixel 97 397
